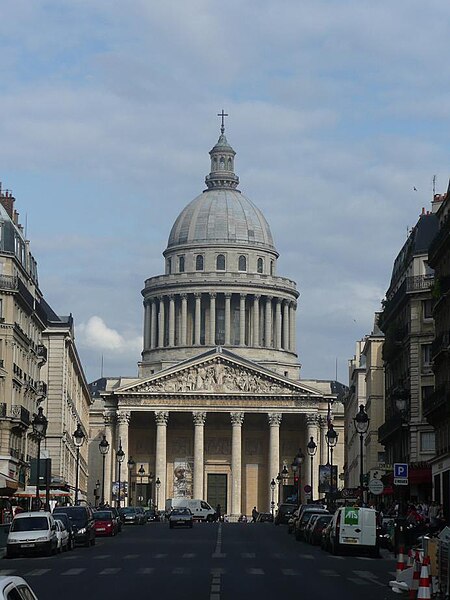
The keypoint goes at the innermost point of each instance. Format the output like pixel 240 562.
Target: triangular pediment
pixel 218 372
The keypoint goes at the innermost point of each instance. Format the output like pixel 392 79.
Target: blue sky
pixel 338 109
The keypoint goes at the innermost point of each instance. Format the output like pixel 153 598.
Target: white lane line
pixel 160 555
pixel 214 591
pixel 220 555
pixel 70 557
pixel 358 581
pixel 255 571
pixel 180 571
pixel 337 557
pixel 37 572
pixel 73 571
pixel 217 571
pixel 289 571
pixel 130 556
pixel 110 571
pixel 102 556
pixel 6 572
pixel 189 555
pixel 307 556
pixel 248 555
pixel 145 571
pixel 364 558
pixel 328 573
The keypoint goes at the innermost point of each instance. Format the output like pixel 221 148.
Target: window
pixel 426 355
pixel 260 265
pixel 199 263
pixel 427 390
pixel 427 441
pixel 271 267
pixel 242 263
pixel 181 264
pixel 169 266
pixel 427 307
pixel 220 262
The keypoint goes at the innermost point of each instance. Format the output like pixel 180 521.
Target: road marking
pixel 289 571
pixel 248 555
pixel 358 581
pixel 220 555
pixel 102 556
pixel 160 556
pixel 73 571
pixel 337 557
pixel 145 571
pixel 255 571
pixel 218 551
pixel 363 558
pixel 110 571
pixel 130 556
pixel 328 573
pixel 307 556
pixel 214 592
pixel 37 572
pixel 217 571
pixel 70 557
pixel 280 556
pixel 188 555
pixel 180 571
pixel 370 576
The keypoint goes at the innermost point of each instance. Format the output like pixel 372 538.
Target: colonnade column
pixel 110 419
pixel 292 308
pixel 286 326
pixel 268 324
pixel 162 418
pixel 242 319
pixel 199 429
pixel 311 432
pixel 198 299
pixel 256 319
pixel 227 318
pixel 171 320
pixel 274 451
pixel 153 325
pixel 161 323
pixel 323 442
pixel 237 419
pixel 278 324
pixel 212 318
pixel 183 340
pixel 123 422
pixel 147 324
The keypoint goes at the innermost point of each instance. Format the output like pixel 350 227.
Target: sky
pixel 338 109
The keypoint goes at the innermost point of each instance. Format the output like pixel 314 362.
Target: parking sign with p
pixel 400 474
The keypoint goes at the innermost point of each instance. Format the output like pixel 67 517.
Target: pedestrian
pixel 254 514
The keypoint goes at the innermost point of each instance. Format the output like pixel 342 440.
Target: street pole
pixel 38 474
pixel 361 421
pixel 76 476
pixel 102 501
pixel 312 493
pixel 312 449
pixel 104 449
pixel 361 469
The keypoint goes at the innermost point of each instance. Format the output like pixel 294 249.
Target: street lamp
pixel 312 449
pixel 141 474
pixel 130 464
pixel 296 465
pixel 97 487
pixel 157 486
pixel 361 421
pixel 331 437
pixel 120 455
pixel 78 440
pixel 104 449
pixel 272 501
pixel 39 425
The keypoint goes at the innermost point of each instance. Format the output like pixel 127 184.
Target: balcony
pixel 8 282
pixel 419 283
pixel 20 413
pixel 16 454
pixel 41 388
pixel 437 401
pixel 390 428
pixel 42 353
pixel 441 343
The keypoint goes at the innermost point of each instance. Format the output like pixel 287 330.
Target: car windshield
pixel 103 515
pixel 30 524
pixel 285 509
pixel 76 513
pixel 181 511
pixel 128 511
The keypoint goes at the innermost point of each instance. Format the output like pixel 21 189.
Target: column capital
pixel 162 417
pixel 312 419
pixel 199 418
pixel 237 418
pixel 269 298
pixel 197 295
pixel 109 417
pixel 227 294
pixel 171 297
pixel 183 295
pixel 123 417
pixel 293 304
pixel 213 295
pixel 274 419
pixel 243 296
pixel 256 296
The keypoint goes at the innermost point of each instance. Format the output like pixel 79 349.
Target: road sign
pixel 401 470
pixel 307 489
pixel 400 481
pixel 376 486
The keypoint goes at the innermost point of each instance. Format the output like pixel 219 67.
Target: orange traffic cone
pixel 400 562
pixel 424 592
pixel 416 576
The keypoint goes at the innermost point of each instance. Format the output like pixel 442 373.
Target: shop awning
pixel 7 485
pixel 30 492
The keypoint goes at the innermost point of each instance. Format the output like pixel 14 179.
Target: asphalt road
pixel 208 562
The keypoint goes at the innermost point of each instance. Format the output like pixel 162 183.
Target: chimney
pixel 7 201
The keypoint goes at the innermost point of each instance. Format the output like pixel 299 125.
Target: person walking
pixel 254 514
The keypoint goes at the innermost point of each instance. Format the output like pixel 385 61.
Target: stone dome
pixel 221 214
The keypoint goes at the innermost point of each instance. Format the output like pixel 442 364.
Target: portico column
pixel 162 418
pixel 147 324
pixel 256 319
pixel 227 318
pixel 198 299
pixel 153 325
pixel 123 422
pixel 242 319
pixel 292 326
pixel 171 320
pixel 199 430
pixel 212 318
pixel 161 323
pixel 278 324
pixel 274 451
pixel 237 419
pixel 323 442
pixel 268 324
pixel 286 326
pixel 311 432
pixel 183 320
pixel 109 419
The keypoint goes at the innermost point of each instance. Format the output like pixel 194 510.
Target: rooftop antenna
pixel 434 186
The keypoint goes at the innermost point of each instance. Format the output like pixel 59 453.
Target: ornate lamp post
pixel 96 489
pixel 312 449
pixel 157 486
pixel 120 455
pixel 361 421
pixel 78 440
pixel 331 437
pixel 296 466
pixel 104 449
pixel 141 474
pixel 272 501
pixel 39 424
pixel 130 464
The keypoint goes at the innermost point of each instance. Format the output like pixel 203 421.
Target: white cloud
pixel 96 335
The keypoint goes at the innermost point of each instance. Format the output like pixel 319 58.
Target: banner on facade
pixel 325 479
pixel 123 490
pixel 182 478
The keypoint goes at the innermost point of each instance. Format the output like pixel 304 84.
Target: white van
pixel 32 532
pixel 201 510
pixel 354 527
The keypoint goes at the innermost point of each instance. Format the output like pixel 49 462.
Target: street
pixel 210 561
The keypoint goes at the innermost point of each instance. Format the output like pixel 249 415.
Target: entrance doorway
pixel 217 491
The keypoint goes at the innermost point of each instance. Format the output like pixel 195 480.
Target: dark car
pixel 181 517
pixel 303 520
pixel 133 515
pixel 315 536
pixel 264 518
pixel 64 518
pixel 82 523
pixel 117 518
pixel 284 513
pixel 151 515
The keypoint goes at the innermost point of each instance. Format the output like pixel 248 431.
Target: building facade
pixel 218 407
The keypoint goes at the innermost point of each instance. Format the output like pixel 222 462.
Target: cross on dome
pixel 223 114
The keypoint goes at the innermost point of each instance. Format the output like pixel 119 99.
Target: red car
pixel 105 523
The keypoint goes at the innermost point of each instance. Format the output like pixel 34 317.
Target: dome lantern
pixel 222 174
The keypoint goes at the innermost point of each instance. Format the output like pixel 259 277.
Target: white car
pixel 62 535
pixel 15 588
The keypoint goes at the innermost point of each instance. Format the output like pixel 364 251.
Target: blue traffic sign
pixel 401 470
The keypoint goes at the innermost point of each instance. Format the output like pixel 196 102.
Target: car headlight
pixel 82 530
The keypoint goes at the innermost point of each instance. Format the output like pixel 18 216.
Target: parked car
pixel 32 533
pixel 292 519
pixel 309 526
pixel 132 515
pixel 63 536
pixel 117 517
pixel 284 513
pixel 264 518
pixel 181 517
pixel 82 523
pixel 12 588
pixel 105 523
pixel 356 528
pixel 142 519
pixel 325 540
pixel 315 535
pixel 302 521
pixel 68 525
